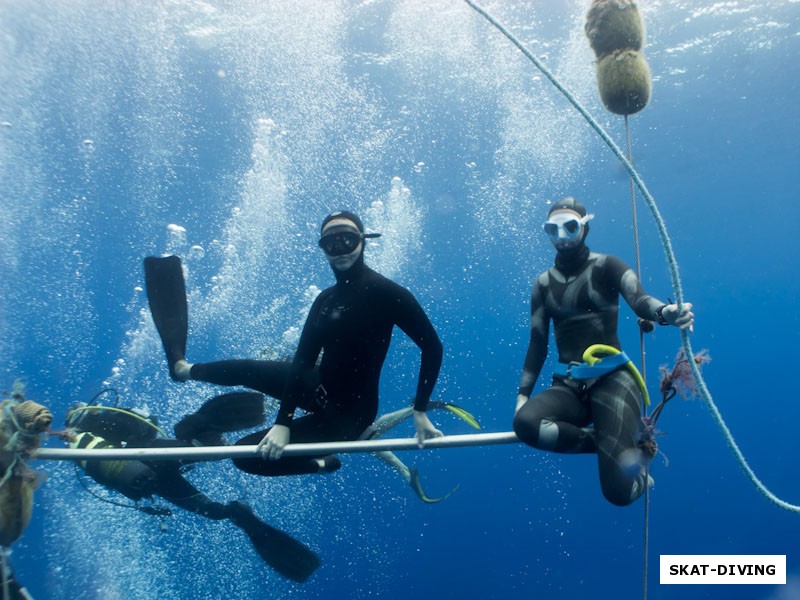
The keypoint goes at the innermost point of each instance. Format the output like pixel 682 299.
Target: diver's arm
pixel 272 444
pixel 678 316
pixel 411 318
pixel 644 305
pixel 537 345
pixel 425 429
pixel 622 278
pixel 521 399
pixel 308 349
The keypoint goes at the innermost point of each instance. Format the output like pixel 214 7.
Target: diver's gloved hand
pixel 682 318
pixel 424 427
pixel 521 399
pixel 271 447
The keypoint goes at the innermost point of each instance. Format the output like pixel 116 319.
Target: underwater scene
pixel 224 131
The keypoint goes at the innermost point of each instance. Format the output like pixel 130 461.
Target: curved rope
pixel 320 448
pixel 666 243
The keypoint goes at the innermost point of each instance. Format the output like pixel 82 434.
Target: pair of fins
pixel 166 294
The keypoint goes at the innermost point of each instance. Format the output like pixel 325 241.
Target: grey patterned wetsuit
pixel 580 295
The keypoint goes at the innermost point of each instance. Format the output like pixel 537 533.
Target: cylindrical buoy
pixel 16 506
pixel 623 78
pixel 613 25
pixel 21 423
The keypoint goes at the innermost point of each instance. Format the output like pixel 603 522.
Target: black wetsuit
pixel 580 295
pixel 351 325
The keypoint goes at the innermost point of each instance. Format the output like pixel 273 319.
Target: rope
pixel 320 448
pixel 6 572
pixel 666 243
pixel 643 353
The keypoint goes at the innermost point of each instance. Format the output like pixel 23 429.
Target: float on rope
pixel 616 33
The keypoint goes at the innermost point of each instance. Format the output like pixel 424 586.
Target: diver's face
pixel 565 229
pixel 342 243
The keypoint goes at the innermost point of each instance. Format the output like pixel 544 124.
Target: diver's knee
pixel 539 433
pixel 623 491
pixel 617 496
pixel 526 431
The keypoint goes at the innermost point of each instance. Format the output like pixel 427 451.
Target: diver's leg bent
pixel 266 376
pixel 555 420
pixel 618 428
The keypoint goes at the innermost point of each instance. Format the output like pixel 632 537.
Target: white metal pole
pixel 322 448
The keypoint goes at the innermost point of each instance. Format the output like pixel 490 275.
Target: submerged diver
pixel 580 295
pixel 95 427
pixel 350 324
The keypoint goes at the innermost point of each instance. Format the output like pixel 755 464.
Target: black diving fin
pixel 227 412
pixel 279 550
pixel 166 293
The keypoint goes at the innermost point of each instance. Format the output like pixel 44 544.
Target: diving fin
pixel 416 485
pixel 462 414
pixel 226 412
pixel 166 293
pixel 289 557
pixel 411 476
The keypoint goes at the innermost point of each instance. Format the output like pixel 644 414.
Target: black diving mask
pixel 343 242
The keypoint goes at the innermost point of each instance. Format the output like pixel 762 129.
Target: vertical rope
pixel 646 541
pixel 6 576
pixel 636 245
pixel 643 353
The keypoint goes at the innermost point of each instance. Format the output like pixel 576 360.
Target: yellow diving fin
pixel 463 415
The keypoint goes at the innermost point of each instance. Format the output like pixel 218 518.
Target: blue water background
pixel 224 131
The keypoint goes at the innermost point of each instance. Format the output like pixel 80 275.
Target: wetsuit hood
pixel 358 267
pixel 342 214
pixel 353 273
pixel 571 261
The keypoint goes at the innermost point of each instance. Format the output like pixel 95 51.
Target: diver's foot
pixel 181 371
pixel 328 464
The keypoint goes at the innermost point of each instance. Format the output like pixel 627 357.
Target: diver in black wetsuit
pixel 351 325
pixel 580 295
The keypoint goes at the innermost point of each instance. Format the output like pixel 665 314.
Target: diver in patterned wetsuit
pixel 580 295
pixel 351 325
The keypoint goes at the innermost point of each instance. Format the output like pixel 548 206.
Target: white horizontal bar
pixel 322 448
